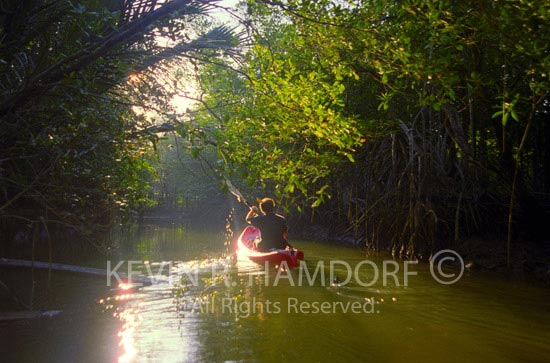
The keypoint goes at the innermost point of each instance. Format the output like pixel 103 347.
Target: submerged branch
pixel 144 280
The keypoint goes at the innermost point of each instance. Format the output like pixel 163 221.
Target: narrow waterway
pixel 208 306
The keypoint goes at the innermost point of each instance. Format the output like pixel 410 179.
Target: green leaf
pixel 514 115
pixel 316 203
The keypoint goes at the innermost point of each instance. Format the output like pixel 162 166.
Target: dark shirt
pixel 273 229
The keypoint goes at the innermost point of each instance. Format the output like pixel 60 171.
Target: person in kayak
pixel 273 227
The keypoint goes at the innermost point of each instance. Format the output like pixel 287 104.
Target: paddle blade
pixel 235 192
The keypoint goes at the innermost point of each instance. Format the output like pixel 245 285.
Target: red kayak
pixel 246 247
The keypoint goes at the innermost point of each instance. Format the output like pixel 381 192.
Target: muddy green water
pixel 211 307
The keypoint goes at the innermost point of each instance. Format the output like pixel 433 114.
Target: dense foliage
pixel 81 83
pixel 414 121
pixel 405 123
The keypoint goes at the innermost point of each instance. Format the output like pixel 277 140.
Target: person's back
pixel 273 227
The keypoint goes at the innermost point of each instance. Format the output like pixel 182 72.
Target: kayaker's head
pixel 267 205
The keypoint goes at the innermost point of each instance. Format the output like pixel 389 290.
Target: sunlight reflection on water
pixel 161 323
pixel 130 318
pixel 157 327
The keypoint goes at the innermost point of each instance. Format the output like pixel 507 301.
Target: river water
pixel 208 306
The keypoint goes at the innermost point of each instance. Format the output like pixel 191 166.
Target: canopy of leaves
pixel 79 81
pixel 398 110
pixel 282 124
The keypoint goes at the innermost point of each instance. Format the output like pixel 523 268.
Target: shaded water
pixel 214 308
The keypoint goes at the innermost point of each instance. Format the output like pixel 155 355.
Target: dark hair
pixel 267 205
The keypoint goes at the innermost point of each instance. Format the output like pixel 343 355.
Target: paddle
pixel 236 193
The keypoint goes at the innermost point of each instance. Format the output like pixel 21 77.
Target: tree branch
pixel 82 58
